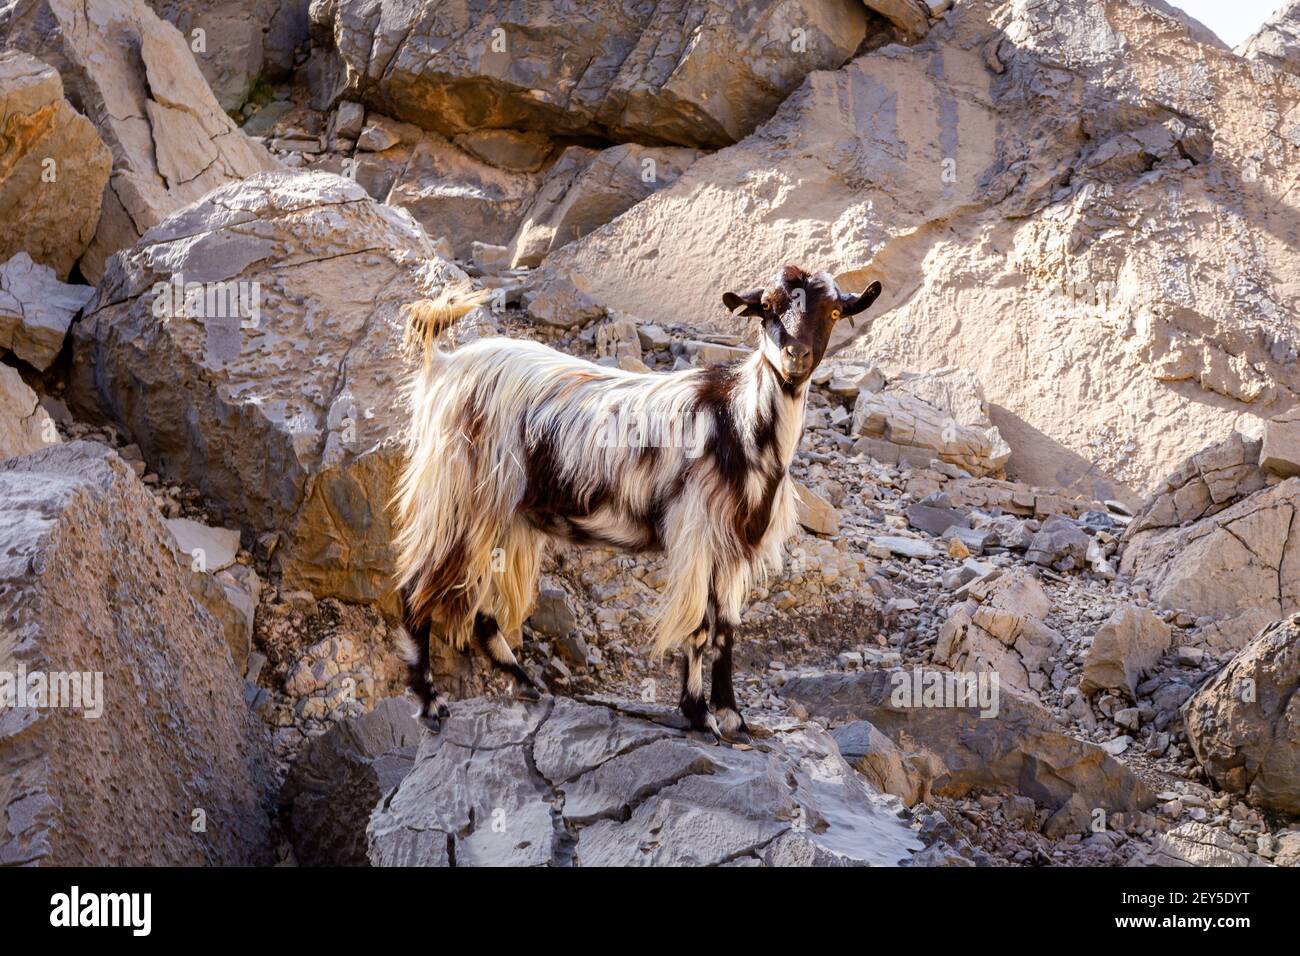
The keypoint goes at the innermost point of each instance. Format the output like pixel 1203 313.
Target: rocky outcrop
pixel 1277 42
pixel 689 74
pixel 1205 483
pixel 1244 723
pixel 159 761
pixel 36 310
pixel 1001 629
pixel 53 167
pixel 24 425
pixel 1124 650
pixel 989 178
pixel 276 390
pixel 1236 562
pixel 339 778
pixel 134 77
pixel 1196 844
pixel 565 783
pixel 585 189
pixel 454 194
pixel 898 428
pixel 1005 743
pixel 237 42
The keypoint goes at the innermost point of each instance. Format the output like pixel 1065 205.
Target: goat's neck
pixel 764 391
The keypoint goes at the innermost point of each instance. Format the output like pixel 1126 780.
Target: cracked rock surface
pixel 51 218
pixel 173 743
pixel 590 783
pixel 134 77
pixel 282 403
pixel 688 74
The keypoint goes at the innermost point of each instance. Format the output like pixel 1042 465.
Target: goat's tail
pixel 427 318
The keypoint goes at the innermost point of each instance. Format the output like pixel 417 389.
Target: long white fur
pixel 454 489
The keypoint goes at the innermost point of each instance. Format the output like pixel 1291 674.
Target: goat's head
pixel 798 312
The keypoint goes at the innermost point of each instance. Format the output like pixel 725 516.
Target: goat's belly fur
pixel 513 443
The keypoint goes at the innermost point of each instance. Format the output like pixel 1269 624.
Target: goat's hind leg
pixel 488 636
pixel 433 709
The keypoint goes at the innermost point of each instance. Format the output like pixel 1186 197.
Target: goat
pixel 509 447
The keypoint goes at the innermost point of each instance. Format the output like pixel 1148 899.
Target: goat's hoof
pixel 732 727
pixel 432 722
pixel 528 692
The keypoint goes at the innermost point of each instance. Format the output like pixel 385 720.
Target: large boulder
pixel 1005 742
pixel 1239 567
pixel 36 310
pixel 340 776
pixel 998 179
pixel 1001 629
pixel 1244 722
pixel 134 77
pixel 690 74
pixel 236 42
pixel 1124 650
pixel 897 427
pixel 276 389
pixel 1277 42
pixel 24 425
pixel 455 194
pixel 160 762
pixel 53 167
pixel 565 783
pixel 585 189
pixel 1204 483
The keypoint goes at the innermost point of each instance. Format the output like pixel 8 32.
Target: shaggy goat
pixel 511 445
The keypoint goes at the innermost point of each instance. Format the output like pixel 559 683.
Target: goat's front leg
pixel 693 705
pixel 722 694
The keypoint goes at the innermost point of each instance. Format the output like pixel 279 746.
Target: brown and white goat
pixel 510 446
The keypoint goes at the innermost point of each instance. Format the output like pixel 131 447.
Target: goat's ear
pixel 750 303
pixel 852 305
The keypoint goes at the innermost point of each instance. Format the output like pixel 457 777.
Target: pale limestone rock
pixel 456 195
pixel 175 736
pixel 1237 560
pixel 53 167
pixel 702 75
pixel 618 784
pixel 815 513
pixel 288 418
pixel 213 548
pixel 1280 452
pixel 36 310
pixel 1124 650
pixel 898 427
pixel 1001 629
pixel 1244 722
pixel 24 425
pixel 585 189
pixel 135 78
pixel 1277 42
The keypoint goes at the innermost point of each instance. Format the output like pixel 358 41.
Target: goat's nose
pixel 797 353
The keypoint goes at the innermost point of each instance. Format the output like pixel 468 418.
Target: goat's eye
pixel 835 314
